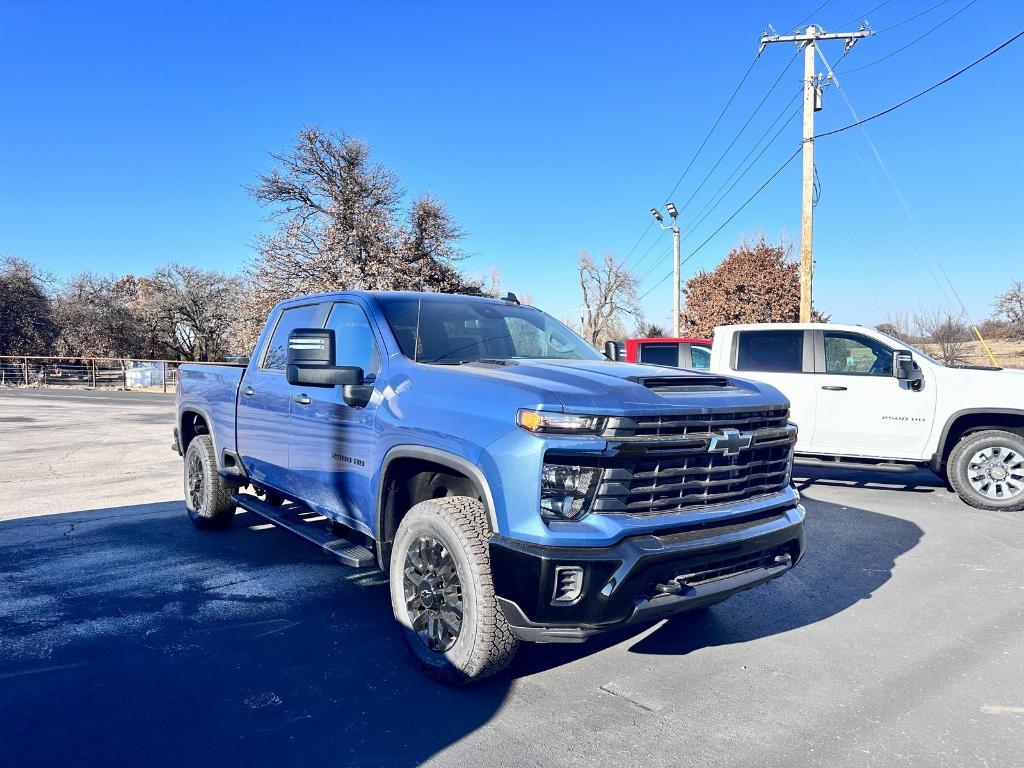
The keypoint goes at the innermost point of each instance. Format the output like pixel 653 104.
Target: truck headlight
pixel 566 491
pixel 560 423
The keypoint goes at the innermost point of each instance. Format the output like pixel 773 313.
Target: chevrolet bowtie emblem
pixel 730 442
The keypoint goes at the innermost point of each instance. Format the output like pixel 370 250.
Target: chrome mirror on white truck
pixel 311 360
pixel 905 369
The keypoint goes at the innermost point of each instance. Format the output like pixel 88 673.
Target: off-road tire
pixel 959 461
pixel 485 644
pixel 214 510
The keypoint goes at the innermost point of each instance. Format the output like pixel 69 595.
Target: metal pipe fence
pixel 91 372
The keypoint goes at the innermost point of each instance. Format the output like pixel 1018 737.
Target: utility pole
pixel 676 285
pixel 812 103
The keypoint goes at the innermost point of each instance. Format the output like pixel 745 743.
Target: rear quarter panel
pixel 211 391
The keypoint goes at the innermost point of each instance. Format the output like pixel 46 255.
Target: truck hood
pixel 606 387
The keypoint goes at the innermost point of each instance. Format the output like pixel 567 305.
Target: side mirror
pixel 611 350
pixel 905 369
pixel 311 360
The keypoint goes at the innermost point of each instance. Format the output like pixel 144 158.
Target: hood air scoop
pixel 680 385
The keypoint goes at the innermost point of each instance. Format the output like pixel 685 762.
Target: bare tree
pixel 1010 309
pixel 609 297
pixel 26 322
pixel 898 325
pixel 947 332
pixel 194 309
pixel 339 226
pixel 651 331
pixel 97 317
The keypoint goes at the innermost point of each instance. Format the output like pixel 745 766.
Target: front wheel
pixel 986 469
pixel 443 595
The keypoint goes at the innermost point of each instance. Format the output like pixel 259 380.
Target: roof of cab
pixel 424 295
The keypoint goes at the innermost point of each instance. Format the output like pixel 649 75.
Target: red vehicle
pixel 679 353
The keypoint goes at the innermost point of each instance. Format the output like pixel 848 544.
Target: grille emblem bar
pixel 730 442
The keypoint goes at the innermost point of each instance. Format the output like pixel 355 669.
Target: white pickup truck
pixel 861 397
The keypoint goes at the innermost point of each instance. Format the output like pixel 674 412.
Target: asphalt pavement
pixel 127 637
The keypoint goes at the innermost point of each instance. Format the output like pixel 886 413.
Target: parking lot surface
pixel 129 638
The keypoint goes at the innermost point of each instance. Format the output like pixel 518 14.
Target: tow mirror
pixel 904 368
pixel 611 350
pixel 311 361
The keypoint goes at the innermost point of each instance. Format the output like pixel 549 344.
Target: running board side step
pixel 843 463
pixel 287 517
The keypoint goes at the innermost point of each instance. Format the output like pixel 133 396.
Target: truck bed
pixel 212 392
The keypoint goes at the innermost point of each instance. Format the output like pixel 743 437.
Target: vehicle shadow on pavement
pixel 850 554
pixel 129 638
pixel 921 481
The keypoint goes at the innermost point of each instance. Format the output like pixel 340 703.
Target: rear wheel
pixel 207 495
pixel 443 595
pixel 986 469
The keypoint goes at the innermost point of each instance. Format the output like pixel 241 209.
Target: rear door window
pixel 778 351
pixel 660 354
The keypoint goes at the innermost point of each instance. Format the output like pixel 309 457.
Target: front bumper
pixel 643 577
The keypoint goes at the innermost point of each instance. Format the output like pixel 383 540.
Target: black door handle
pixel 248 391
pixel 831 388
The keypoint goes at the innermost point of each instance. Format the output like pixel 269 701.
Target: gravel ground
pixel 128 637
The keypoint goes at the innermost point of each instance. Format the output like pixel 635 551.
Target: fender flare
pixel 199 410
pixel 939 457
pixel 453 461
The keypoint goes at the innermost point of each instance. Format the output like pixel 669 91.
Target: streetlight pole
pixel 676 284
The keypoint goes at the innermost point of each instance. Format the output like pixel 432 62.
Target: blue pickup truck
pixel 514 483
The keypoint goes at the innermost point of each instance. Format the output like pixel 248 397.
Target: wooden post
pixel 94 373
pixel 26 371
pixel 807 215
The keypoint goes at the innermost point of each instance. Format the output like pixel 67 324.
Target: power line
pixel 696 154
pixel 740 132
pixel 756 144
pixel 812 13
pixel 703 216
pixel 917 224
pixel 915 16
pixel 914 41
pixel 639 240
pixel 918 95
pixel 863 16
pixel 713 127
pixel 726 222
pixel 646 253
pixel 739 178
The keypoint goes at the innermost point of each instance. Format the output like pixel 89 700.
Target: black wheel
pixel 443 595
pixel 986 469
pixel 207 496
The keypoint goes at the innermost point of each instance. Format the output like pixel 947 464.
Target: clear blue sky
pixel 130 129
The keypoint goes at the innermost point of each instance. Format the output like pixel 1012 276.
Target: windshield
pixel 460 330
pixel 900 344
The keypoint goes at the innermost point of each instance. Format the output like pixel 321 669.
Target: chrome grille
pixel 665 465
pixel 745 421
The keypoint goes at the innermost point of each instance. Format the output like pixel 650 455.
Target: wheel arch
pixel 404 462
pixel 193 421
pixel 970 420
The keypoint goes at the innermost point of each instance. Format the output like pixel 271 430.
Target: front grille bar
pixel 661 474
